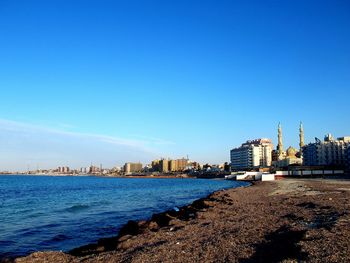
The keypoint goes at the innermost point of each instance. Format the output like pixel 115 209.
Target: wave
pixel 77 208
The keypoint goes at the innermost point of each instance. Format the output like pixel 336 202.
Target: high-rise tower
pixel 280 143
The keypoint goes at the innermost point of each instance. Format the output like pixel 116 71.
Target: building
pixel 283 158
pixel 290 158
pixel 93 169
pixel 63 169
pixel 330 152
pixel 181 164
pixel 163 166
pixel 252 154
pixel 132 168
pixel 172 165
pixel 168 165
pixel 348 158
pixel 193 165
pixel 155 166
pixel 310 154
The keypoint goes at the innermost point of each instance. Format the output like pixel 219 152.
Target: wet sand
pixel 281 221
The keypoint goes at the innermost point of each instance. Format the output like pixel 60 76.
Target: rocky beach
pixel 290 220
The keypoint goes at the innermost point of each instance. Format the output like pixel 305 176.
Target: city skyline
pixel 115 82
pixel 133 148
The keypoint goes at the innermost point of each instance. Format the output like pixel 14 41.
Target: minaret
pixel 280 144
pixel 301 138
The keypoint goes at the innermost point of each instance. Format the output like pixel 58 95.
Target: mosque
pixel 291 156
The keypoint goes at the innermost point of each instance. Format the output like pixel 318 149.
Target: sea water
pixel 39 213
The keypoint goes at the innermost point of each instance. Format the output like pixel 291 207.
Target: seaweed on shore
pixel 133 228
pixel 280 245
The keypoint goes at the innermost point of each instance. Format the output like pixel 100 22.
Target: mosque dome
pixel 291 152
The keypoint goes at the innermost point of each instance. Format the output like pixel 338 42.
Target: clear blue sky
pixel 115 81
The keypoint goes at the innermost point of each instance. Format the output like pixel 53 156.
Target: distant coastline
pixel 182 176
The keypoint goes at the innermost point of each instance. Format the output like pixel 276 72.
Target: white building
pixel 252 154
pixel 329 152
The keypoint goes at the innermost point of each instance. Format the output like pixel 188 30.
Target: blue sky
pixel 115 81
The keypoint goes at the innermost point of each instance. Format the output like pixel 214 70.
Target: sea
pixel 41 213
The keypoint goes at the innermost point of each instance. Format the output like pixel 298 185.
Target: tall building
pixel 167 165
pixel 310 156
pixel 173 166
pixel 181 164
pixel 252 154
pixel 330 152
pixel 132 168
pixel 163 166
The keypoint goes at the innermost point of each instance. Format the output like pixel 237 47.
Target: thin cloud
pixel 26 143
pixel 142 142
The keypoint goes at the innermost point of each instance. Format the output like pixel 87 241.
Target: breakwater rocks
pixel 134 228
pixel 282 221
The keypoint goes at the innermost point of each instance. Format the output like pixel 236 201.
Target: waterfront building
pixel 163 166
pixel 348 157
pixel 290 158
pixel 252 154
pixel 155 166
pixel 173 165
pixel 170 165
pixel 93 169
pixel 330 152
pixel 84 170
pixel 181 164
pixel 283 158
pixel 193 165
pixel 63 169
pixel 132 168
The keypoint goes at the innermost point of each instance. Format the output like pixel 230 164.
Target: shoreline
pixel 137 227
pixel 134 222
pixel 238 224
